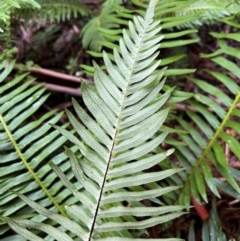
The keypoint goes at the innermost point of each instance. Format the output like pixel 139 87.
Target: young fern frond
pixel 212 119
pixel 117 143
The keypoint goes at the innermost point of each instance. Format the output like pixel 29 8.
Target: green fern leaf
pixel 53 10
pixel 213 119
pixel 26 146
pixel 117 143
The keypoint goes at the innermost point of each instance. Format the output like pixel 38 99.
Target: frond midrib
pixel 30 170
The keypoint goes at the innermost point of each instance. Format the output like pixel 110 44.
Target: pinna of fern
pixel 116 142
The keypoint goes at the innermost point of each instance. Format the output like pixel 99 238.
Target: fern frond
pixel 117 145
pixel 209 11
pixel 215 113
pixel 54 10
pixel 192 14
pixel 105 34
pixel 26 146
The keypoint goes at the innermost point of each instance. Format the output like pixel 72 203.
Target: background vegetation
pixel 48 46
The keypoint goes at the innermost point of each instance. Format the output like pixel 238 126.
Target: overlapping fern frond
pixel 26 146
pixel 198 12
pixel 215 114
pixel 107 35
pixel 105 29
pixel 117 145
pixel 54 10
pixel 207 12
